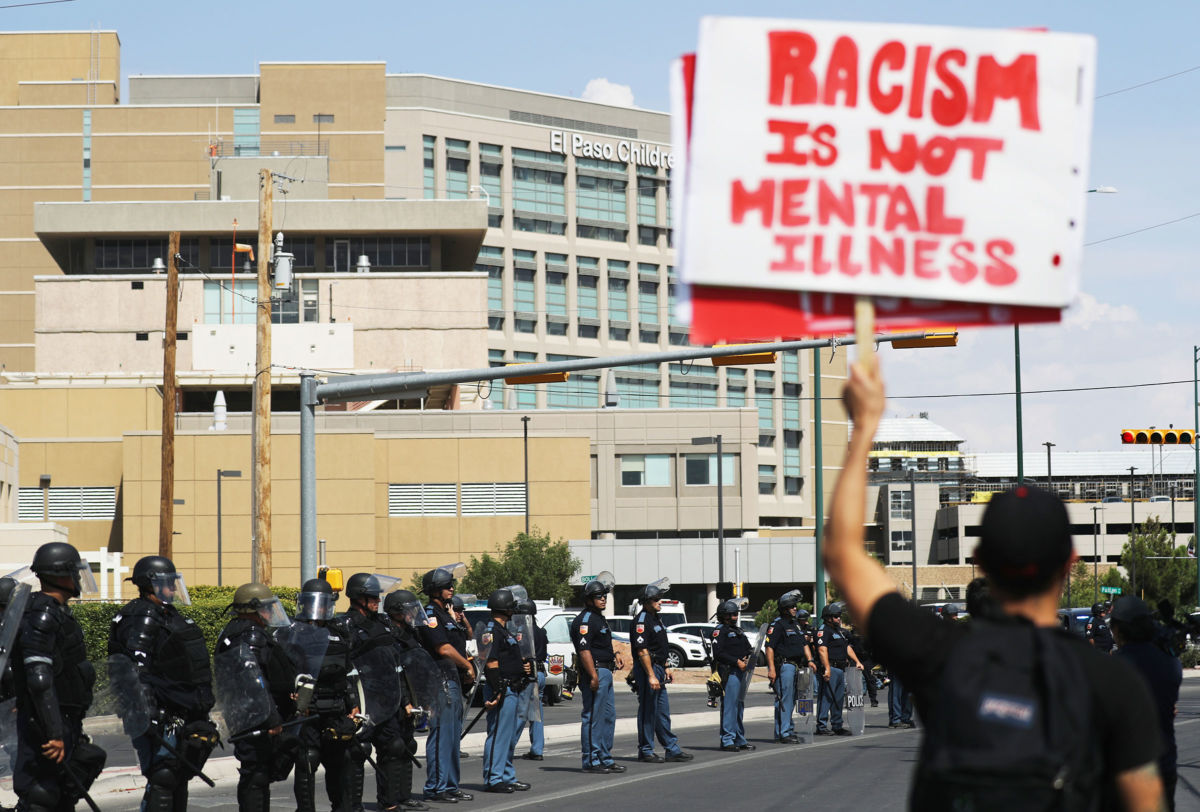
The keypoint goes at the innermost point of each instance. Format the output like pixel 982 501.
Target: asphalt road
pixel 853 773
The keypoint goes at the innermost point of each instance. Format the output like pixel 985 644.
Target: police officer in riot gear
pixel 7 585
pixel 505 674
pixel 787 652
pixel 836 653
pixel 1098 632
pixel 171 659
pixel 593 644
pixel 401 607
pixel 732 652
pixel 53 680
pixel 648 640
pixel 266 756
pixel 328 740
pixel 447 643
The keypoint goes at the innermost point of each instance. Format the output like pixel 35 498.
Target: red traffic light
pixel 1157 437
pixel 1127 437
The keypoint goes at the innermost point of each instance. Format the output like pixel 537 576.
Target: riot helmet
pixel 728 610
pixel 526 607
pixel 457 604
pixel 256 598
pixel 833 611
pixel 156 575
pixel 789 599
pixel 57 559
pixel 502 600
pixel 802 615
pixel 363 585
pixel 402 605
pixel 315 601
pixel 7 585
pixel 594 589
pixel 444 577
pixel 654 591
pixel 1098 609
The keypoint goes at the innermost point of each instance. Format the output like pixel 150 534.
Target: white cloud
pixel 1088 311
pixel 605 92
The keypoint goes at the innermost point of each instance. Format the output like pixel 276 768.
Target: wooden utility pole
pixel 262 386
pixel 166 507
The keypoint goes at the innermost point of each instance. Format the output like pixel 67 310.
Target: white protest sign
pixel 889 160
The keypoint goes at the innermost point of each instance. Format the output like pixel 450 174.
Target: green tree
pixel 544 567
pixel 768 612
pixel 1084 589
pixel 1163 570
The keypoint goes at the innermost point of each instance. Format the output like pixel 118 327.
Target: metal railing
pixel 282 148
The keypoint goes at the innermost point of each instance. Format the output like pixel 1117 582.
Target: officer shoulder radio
pixel 1010 725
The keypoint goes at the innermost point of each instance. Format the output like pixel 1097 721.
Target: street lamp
pixel 717 439
pixel 220 475
pixel 1196 470
pixel 1132 549
pixel 525 426
pixel 1049 477
pixel 1095 556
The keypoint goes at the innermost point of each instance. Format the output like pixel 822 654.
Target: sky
pixel 1134 321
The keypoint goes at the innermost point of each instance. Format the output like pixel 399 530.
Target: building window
pixel 287 309
pixel 646 470
pixel 458 169
pixel 647 196
pixel 588 331
pixel 764 399
pixel 341 253
pixel 245 132
pixel 647 236
pixel 556 293
pixel 491 260
pixel 524 290
pixel 533 225
pixel 600 199
pixel 587 296
pixel 766 480
pixel 701 469
pixel 139 254
pixel 582 391
pixel 901 506
pixel 491 169
pixel 648 302
pixel 638 393
pixel 285 118
pixel 87 156
pixel 902 542
pixel 618 334
pixel 556 328
pixel 792 485
pixel 539 190
pixel 693 395
pixel 588 232
pixel 618 298
pixel 428 499
pixel 429 145
pixel 322 118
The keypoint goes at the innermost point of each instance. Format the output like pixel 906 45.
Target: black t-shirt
pixel 1163 674
pixel 915 645
pixel 590 632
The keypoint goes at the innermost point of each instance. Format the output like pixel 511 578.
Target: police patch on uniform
pixel 583 630
pixel 487 638
pixel 771 629
pixel 716 632
pixel 821 633
pixel 433 621
pixel 641 640
pixel 640 630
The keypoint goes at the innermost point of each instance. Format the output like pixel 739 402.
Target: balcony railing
pixel 282 148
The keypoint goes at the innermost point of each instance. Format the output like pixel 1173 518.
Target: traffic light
pixel 1157 437
pixel 933 338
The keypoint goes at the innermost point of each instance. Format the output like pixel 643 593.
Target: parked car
pixel 1075 619
pixel 561 668
pixel 683 649
pixel 705 632
pixel 1160 498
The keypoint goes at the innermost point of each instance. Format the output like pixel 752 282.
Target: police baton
pixel 75 779
pixel 261 731
pixel 170 748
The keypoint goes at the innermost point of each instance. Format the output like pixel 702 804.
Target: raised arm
pixel 858 576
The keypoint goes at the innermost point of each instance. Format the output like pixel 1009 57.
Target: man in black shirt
pixel 593 643
pixel 1098 633
pixel 648 640
pixel 1134 629
pixel 1025 552
pixel 787 652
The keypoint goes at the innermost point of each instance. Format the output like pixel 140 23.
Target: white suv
pixel 683 649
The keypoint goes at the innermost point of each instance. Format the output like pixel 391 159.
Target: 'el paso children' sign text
pixel 889 160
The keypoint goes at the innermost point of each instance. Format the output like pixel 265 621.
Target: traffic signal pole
pixel 1196 470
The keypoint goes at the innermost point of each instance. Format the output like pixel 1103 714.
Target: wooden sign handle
pixel 864 330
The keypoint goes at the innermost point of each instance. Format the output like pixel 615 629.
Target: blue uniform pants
pixel 831 700
pixel 654 713
pixel 598 719
pixel 733 732
pixel 899 703
pixel 537 730
pixel 785 700
pixel 502 733
pixel 441 745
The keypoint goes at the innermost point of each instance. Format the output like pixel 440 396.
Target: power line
pixel 39 3
pixel 1147 228
pixel 1149 82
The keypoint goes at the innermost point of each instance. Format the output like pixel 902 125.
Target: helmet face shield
pixel 518 592
pixel 314 606
pixel 85 580
pixel 168 587
pixel 272 613
pixel 414 614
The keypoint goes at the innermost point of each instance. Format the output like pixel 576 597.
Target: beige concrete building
pixel 435 224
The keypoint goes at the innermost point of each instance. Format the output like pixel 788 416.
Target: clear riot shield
pixel 379 674
pixel 10 622
pixel 856 701
pixel 132 699
pixel 305 644
pixel 483 643
pixel 806 705
pixel 8 736
pixel 457 570
pixel 748 674
pixel 241 691
pixel 519 592
pixel 521 627
pixel 423 679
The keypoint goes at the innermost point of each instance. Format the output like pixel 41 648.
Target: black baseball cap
pixel 1025 537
